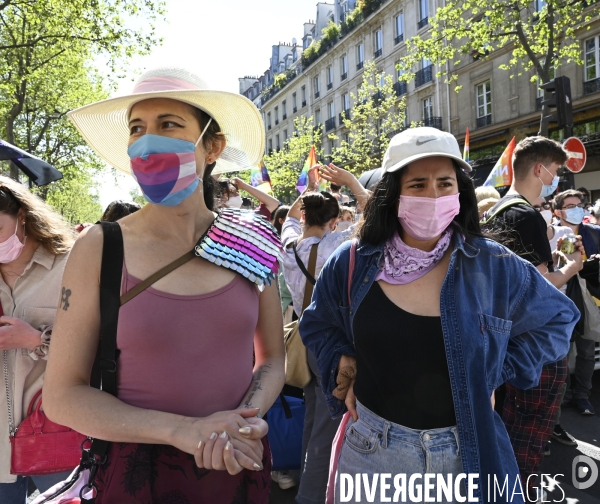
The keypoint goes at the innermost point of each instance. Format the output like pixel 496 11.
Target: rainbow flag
pixel 502 173
pixel 466 151
pixel 309 164
pixel 259 178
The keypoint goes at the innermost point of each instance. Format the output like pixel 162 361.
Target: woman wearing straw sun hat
pixel 187 421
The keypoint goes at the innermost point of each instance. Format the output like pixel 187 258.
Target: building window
pixel 285 136
pixel 539 5
pixel 269 120
pixel 276 116
pixel 427 110
pixel 484 104
pixel 329 72
pixel 316 86
pixel 360 56
pixel 378 43
pixel 347 138
pixel 425 74
pixel 399 27
pixel 318 117
pixel 303 94
pixel 277 146
pixel 270 146
pixel 346 102
pixel 423 13
pixel 592 66
pixel 284 110
pixel 294 102
pixel 330 123
pixel 344 67
pixel 331 109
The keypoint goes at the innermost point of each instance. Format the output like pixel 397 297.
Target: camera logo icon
pixel 584 472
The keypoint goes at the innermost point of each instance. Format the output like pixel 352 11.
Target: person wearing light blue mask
pixel 536 161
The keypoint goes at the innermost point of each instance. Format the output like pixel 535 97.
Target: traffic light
pixel 560 87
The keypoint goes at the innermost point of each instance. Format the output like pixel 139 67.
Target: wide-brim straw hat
pixel 104 124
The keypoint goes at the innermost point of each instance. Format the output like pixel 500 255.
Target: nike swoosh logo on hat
pixel 421 142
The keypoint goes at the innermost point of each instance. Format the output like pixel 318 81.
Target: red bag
pixel 42 447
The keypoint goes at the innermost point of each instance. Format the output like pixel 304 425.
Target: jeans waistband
pixel 427 438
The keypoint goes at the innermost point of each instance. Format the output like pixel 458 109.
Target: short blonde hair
pixel 485 192
pixel 484 205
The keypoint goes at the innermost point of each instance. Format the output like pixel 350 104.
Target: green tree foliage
pixel 286 164
pixel 376 116
pixel 46 53
pixel 538 40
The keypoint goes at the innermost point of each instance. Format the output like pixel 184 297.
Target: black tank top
pixel 402 371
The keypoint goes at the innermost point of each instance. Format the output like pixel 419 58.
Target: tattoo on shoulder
pixel 64 300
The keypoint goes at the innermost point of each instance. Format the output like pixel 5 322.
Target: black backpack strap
pixel 110 293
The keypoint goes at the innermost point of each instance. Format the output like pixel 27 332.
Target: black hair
pixel 335 187
pixel 380 217
pixel 223 188
pixel 119 209
pixel 280 213
pixel 212 134
pixel 319 208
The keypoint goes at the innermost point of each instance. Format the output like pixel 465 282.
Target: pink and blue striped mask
pixel 165 168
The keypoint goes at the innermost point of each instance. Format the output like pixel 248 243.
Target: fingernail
pixel 245 431
pixel 200 444
pixel 213 435
pixel 228 445
pixel 224 435
pixel 257 467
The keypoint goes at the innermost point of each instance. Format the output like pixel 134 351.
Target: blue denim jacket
pixel 502 321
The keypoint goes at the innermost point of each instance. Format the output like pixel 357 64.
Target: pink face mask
pixel 11 249
pixel 426 218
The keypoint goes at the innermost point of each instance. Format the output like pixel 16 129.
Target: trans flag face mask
pixel 165 168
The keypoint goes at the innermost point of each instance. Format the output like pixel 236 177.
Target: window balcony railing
pixel 591 86
pixel 399 38
pixel 434 122
pixel 345 113
pixel 317 94
pixel 303 103
pixel 424 22
pixel 359 65
pixel 486 120
pixel 377 97
pixel 284 117
pixel 330 124
pixel 329 86
pixel 378 53
pixel 294 110
pixel 400 88
pixel 344 75
pixel 538 103
pixel 276 122
pixel 424 76
pixel 269 126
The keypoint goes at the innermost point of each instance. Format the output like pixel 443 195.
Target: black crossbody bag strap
pixel 308 276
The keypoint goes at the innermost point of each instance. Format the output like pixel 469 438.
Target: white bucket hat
pixel 104 124
pixel 418 143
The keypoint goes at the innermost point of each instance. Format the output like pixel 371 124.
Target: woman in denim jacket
pixel 434 319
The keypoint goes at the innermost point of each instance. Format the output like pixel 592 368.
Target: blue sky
pixel 220 41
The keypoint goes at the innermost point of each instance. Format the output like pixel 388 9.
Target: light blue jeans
pixel 375 446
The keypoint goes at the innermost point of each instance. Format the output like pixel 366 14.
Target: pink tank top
pixel 188 355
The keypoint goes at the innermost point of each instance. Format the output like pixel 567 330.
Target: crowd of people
pixel 437 333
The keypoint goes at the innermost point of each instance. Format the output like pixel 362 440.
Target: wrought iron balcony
pixel 317 94
pixel 378 53
pixel 377 97
pixel 284 117
pixel 276 122
pixel 434 122
pixel 591 86
pixel 399 38
pixel 486 120
pixel 330 124
pixel 424 76
pixel 329 86
pixel 423 22
pixel 294 110
pixel 269 126
pixel 359 65
pixel 400 88
pixel 344 75
pixel 303 103
pixel 342 114
pixel 538 103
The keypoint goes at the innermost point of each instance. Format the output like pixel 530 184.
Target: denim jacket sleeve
pixel 543 319
pixel 325 326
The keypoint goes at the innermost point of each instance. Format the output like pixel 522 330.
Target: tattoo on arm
pixel 255 385
pixel 64 300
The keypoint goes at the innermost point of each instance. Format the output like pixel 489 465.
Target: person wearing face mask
pixel 569 209
pixel 34 246
pixel 347 218
pixel 529 415
pixel 200 350
pixel 311 221
pixel 416 324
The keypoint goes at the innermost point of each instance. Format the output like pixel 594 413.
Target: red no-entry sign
pixel 577 154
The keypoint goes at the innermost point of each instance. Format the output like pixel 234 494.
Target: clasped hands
pixel 226 440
